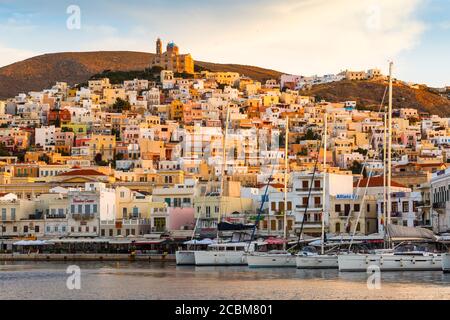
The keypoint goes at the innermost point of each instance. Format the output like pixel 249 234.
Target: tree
pixel 310 135
pixel 98 158
pixel 362 151
pixel 120 105
pixel 356 168
pixel 44 158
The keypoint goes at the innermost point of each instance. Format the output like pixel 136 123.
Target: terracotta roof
pixel 82 172
pixel 376 182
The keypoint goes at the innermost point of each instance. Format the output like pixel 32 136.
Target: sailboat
pixel 309 260
pixel 280 258
pixel 409 256
pixel 225 253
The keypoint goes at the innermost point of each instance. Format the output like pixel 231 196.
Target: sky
pixel 304 37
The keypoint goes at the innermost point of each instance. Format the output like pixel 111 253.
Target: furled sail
pixel 401 233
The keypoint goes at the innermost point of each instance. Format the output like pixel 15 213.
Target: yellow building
pixel 104 145
pixel 176 110
pixel 111 95
pixel 172 59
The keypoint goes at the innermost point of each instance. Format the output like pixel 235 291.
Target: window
pixel 405 205
pixel 338 227
pixel 4 214
pixel 356 207
pixel 72 208
pixel 273 206
pixel 63 228
pixel 48 228
pixel 316 183
pixel 13 214
pixel 110 232
pixel 160 224
pixel 60 212
pixel 337 208
pixel 80 208
pixel 14 229
pixel 119 232
pixel 25 229
pixel 346 209
pixel 273 225
pixel 94 208
pixel 79 229
pixel 87 208
pixel 305 184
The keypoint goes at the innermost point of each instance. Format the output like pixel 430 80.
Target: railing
pixel 439 205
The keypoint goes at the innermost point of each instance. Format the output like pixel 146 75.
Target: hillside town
pixel 164 160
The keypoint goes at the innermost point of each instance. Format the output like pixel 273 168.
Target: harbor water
pixel 139 280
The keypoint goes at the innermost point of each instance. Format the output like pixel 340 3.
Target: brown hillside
pixel 368 94
pixel 41 72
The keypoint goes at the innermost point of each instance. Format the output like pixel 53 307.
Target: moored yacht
pixel 224 254
pixel 270 254
pixel 416 251
pixel 414 260
pixel 187 257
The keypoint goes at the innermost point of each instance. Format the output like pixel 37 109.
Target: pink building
pixel 180 218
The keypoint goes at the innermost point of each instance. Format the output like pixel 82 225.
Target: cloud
pixel 11 55
pixel 305 37
pixel 295 36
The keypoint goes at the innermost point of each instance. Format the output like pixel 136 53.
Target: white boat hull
pixel 270 260
pixel 361 262
pixel 317 262
pixel 185 258
pixel 220 258
pixel 446 262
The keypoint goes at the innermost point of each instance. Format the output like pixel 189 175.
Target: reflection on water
pixel 124 280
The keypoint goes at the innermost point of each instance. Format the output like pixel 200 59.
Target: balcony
pixel 439 205
pixel 84 216
pixel 55 216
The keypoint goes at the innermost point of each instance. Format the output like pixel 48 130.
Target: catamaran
pixel 187 257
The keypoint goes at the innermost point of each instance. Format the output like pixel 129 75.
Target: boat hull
pixel 271 261
pixel 185 258
pixel 362 262
pixel 220 258
pixel 317 262
pixel 446 262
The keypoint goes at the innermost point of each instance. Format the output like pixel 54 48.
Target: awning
pixel 32 243
pixel 274 241
pixel 79 241
pixel 200 242
pixel 156 241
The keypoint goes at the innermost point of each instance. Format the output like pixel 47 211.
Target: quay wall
pixel 86 257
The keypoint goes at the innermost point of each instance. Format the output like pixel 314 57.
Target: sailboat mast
pixel 324 181
pixel 224 159
pixel 286 168
pixel 389 166
pixel 384 171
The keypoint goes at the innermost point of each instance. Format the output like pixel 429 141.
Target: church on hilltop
pixel 172 59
